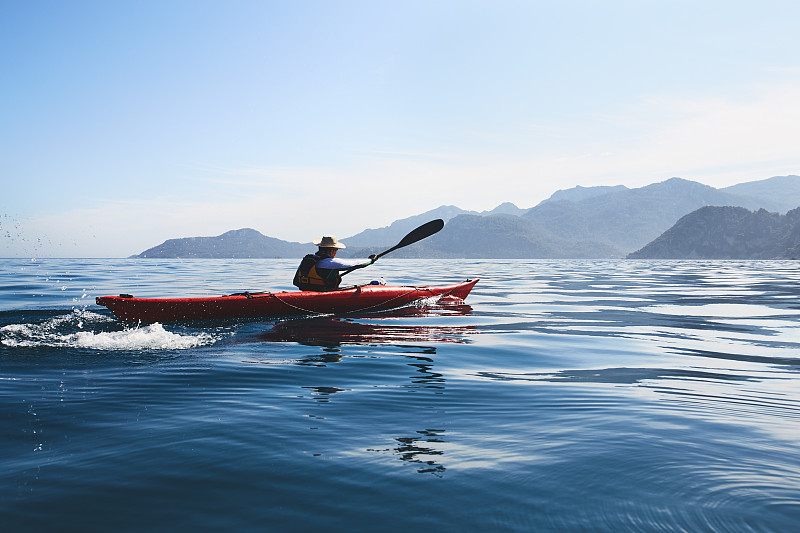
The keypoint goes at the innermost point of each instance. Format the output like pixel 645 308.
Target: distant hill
pixel 495 236
pixel 578 193
pixel 728 233
pixel 779 194
pixel 630 218
pixel 390 235
pixel 582 222
pixel 241 243
pixel 506 208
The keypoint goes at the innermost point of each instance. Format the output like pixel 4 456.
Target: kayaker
pixel 320 271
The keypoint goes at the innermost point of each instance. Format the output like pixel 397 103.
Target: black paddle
pixel 422 232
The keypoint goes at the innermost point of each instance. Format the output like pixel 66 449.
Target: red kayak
pixel 362 298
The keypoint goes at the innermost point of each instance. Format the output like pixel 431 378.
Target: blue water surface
pixel 609 396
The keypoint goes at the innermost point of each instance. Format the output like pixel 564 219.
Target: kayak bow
pixel 363 298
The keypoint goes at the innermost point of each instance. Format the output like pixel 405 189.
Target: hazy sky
pixel 123 124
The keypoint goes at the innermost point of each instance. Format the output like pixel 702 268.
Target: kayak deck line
pixel 413 289
pixel 356 287
pixel 265 294
pixel 353 299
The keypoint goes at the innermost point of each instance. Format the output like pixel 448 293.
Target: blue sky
pixel 128 123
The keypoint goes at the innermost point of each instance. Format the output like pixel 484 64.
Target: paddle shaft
pixel 422 232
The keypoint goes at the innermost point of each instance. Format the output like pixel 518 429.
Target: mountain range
pixel 581 222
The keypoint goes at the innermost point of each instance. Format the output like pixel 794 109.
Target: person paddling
pixel 321 271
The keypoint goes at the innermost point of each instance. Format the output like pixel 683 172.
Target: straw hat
pixel 328 241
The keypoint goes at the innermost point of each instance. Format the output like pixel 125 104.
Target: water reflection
pixel 385 328
pixel 420 450
pixel 790 363
pixel 613 375
pixel 428 378
pixel 323 394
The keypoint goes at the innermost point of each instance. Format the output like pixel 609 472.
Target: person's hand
pixel 373 258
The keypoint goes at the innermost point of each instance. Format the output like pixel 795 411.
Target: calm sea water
pixel 605 396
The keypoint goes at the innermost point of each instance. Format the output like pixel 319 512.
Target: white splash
pixel 50 333
pixel 151 337
pixel 426 302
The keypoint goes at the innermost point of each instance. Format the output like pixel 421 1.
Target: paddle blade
pixel 422 232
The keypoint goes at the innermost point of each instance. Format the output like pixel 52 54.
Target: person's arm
pixel 334 263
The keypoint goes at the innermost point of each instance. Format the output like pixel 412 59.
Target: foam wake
pixel 84 329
